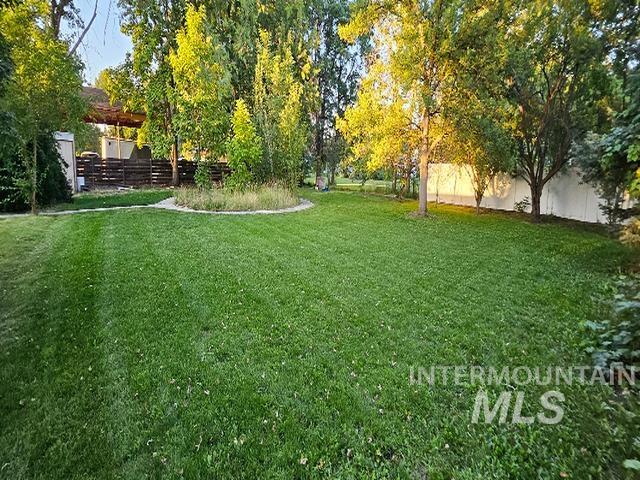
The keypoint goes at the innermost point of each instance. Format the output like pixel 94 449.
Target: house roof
pixel 101 110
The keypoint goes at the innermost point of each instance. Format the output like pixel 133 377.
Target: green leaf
pixel 631 464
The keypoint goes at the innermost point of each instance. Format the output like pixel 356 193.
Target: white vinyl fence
pixel 565 195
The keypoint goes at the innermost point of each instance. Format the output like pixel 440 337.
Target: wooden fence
pixel 98 172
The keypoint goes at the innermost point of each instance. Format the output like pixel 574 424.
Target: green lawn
pixel 146 343
pixel 111 198
pixel 381 187
pixel 351 181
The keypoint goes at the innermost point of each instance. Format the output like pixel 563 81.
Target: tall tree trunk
pixel 319 140
pixel 332 177
pixel 422 192
pixel 34 176
pixel 536 194
pixel 394 183
pixel 479 185
pixel 424 166
pixel 175 175
pixel 404 189
pixel 407 177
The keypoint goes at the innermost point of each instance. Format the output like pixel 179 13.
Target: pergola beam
pixel 102 111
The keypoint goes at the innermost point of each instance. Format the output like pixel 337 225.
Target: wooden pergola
pixel 102 111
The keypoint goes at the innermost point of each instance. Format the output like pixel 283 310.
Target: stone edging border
pixel 170 204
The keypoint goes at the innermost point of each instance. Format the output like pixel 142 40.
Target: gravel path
pixel 170 204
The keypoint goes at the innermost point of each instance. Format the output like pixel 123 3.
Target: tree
pixel 477 137
pixel 609 155
pixel 336 151
pixel 152 81
pixel 202 86
pixel 44 92
pixel 63 9
pixel 620 30
pixel 244 148
pixel 15 181
pixel 427 41
pixel 119 83
pixel 7 119
pixel 554 60
pixel 237 24
pixel 611 161
pixel 153 27
pixel 337 67
pixel 379 126
pixel 67 10
pixel 482 145
pixel 279 110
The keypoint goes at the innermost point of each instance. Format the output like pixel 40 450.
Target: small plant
pixel 523 205
pixel 202 177
pixel 631 233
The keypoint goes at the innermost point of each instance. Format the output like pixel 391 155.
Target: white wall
pixel 66 146
pixel 563 196
pixel 110 148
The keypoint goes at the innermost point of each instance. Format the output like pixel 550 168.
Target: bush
pixel 15 182
pixel 244 149
pixel 252 198
pixel 202 177
pixel 631 233
pixel 617 338
pixel 523 205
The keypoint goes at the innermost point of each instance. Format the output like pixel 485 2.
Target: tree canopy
pixel 43 82
pixel 522 87
pixel 202 86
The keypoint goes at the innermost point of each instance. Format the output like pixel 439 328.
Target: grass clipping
pixel 264 197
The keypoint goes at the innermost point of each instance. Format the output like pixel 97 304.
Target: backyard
pixel 149 343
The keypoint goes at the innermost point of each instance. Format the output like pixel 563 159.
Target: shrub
pixel 263 197
pixel 15 186
pixel 631 233
pixel 244 149
pixel 523 205
pixel 202 177
pixel 618 337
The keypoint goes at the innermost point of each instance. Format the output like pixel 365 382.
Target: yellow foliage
pixel 381 127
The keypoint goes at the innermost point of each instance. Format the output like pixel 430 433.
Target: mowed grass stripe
pixel 255 337
pixel 60 379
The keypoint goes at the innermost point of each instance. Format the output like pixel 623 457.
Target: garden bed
pixel 251 199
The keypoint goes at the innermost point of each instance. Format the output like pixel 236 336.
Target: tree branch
pixel 85 30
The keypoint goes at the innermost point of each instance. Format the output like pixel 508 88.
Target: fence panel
pixel 565 195
pixel 115 172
